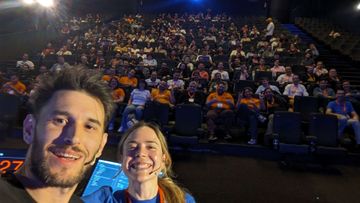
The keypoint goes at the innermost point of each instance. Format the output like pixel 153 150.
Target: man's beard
pixel 39 167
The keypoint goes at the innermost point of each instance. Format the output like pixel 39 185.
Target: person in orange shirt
pixel 118 95
pixel 249 110
pixel 14 86
pixel 130 80
pixel 163 95
pixel 109 74
pixel 221 105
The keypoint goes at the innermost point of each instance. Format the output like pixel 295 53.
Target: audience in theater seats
pixel 334 79
pixel 136 104
pixel 320 70
pixel 215 82
pixel 308 60
pixel 48 50
pixel 286 77
pixel 323 90
pixel 272 102
pixel 309 76
pixel 277 68
pixel 249 109
pixel 163 95
pixel 60 65
pixel 129 80
pixel 64 51
pixel 14 86
pixel 345 113
pixel 220 111
pixel 242 73
pixel 265 84
pixel 150 61
pixel 202 72
pixel 153 81
pixel 202 84
pixel 176 83
pixel 185 58
pixel 192 95
pixel 25 64
pixel 220 69
pixel 262 66
pixel 295 88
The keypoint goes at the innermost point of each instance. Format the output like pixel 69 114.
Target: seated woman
pixel 249 109
pixel 138 98
pixel 146 161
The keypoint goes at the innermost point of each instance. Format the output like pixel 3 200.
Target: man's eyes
pixel 60 121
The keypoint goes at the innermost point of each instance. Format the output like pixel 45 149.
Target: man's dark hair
pixel 77 79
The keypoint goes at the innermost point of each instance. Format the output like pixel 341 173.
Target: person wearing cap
pixel 269 31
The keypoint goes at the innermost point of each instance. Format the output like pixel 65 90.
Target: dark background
pixel 17 33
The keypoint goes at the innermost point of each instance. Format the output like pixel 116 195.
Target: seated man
pixel 294 89
pixel 277 68
pixel 221 105
pixel 215 82
pixel 345 113
pixel 265 84
pixel 60 65
pixel 192 95
pixel 14 86
pixel 323 90
pixel 176 83
pixel 220 69
pixel 153 81
pixel 285 78
pixel 25 64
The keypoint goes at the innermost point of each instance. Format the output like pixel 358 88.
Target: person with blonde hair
pixel 145 159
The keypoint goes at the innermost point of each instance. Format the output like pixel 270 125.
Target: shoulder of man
pixel 11 190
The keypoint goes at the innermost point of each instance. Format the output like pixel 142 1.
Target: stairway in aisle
pixel 331 59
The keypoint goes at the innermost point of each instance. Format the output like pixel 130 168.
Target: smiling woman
pixel 146 162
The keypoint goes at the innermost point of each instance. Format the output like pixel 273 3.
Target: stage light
pixel 28 2
pixel 358 7
pixel 46 3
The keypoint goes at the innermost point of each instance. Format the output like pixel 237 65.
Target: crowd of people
pixel 204 59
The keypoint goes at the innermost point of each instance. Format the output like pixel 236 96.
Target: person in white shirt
pixel 25 63
pixel 287 77
pixel 269 32
pixel 277 68
pixel 220 69
pixel 265 84
pixel 295 88
pixel 153 81
pixel 176 83
pixel 150 61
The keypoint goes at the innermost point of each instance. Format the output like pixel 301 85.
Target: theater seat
pixel 288 137
pixel 324 129
pixel 9 110
pixel 156 112
pixel 187 127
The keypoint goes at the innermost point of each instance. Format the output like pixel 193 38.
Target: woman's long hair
pixel 173 192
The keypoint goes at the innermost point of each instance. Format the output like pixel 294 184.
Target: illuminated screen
pixel 106 173
pixel 11 159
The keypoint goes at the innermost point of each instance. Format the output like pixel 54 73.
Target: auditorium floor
pixel 219 178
